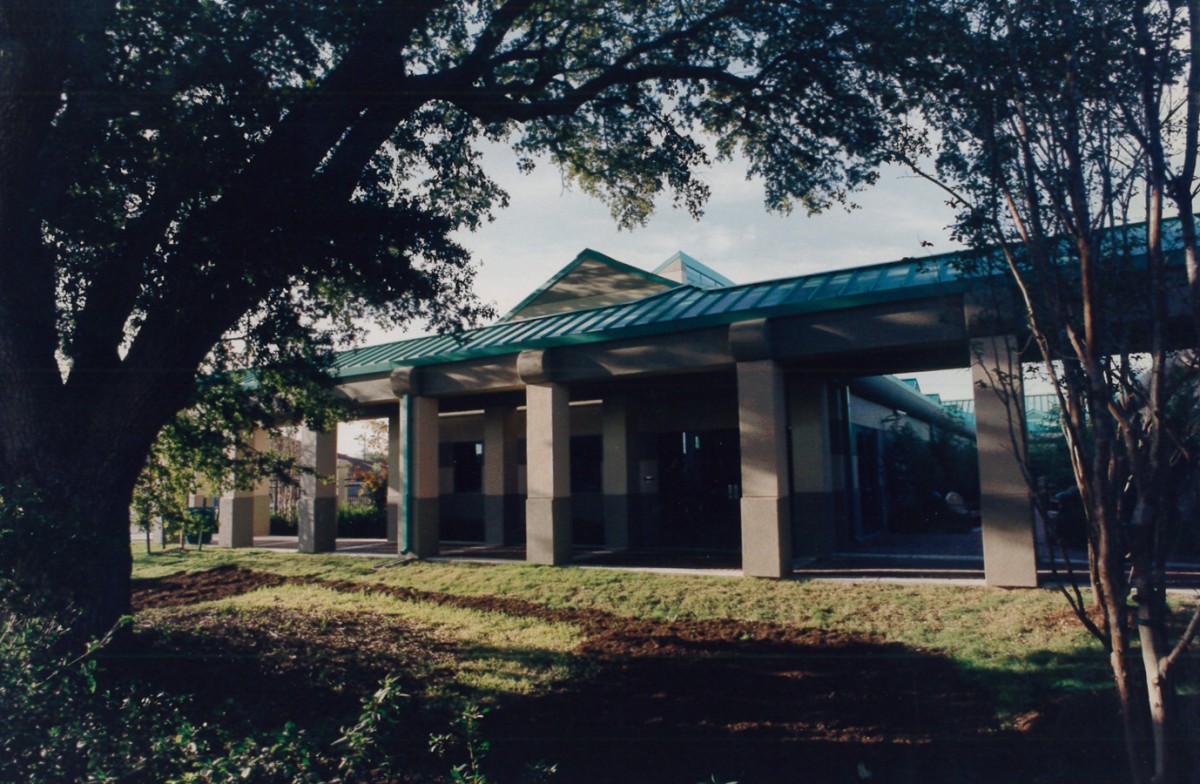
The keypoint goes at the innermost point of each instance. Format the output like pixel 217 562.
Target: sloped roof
pixel 686 269
pixel 592 279
pixel 674 310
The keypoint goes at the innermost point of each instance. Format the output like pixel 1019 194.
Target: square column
pixel 615 473
pixel 1009 552
pixel 499 470
pixel 423 490
pixel 814 489
pixel 397 489
pixel 548 468
pixel 245 514
pixel 318 493
pixel 762 427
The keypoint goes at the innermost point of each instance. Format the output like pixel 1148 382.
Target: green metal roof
pixel 676 310
pixel 688 307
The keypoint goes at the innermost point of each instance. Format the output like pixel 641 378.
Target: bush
pixel 353 522
pixel 362 522
pixel 283 524
pixel 60 725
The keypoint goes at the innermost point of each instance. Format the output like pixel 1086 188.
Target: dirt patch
pixel 661 702
pixel 186 588
pixel 269 666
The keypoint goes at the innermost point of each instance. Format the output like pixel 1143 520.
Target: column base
pixel 1009 552
pixel 493 520
pixel 237 522
pixel 262 515
pixel 424 534
pixel 766 537
pixel 616 522
pixel 548 531
pixel 393 522
pixel 318 525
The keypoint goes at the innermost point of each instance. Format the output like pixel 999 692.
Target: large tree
pixel 1066 131
pixel 185 181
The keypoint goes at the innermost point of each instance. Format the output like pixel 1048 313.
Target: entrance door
pixel 699 490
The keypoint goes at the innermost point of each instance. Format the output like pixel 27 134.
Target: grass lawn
pixel 628 676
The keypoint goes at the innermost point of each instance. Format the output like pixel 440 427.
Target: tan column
pixel 615 474
pixel 548 475
pixel 423 481
pixel 245 514
pixel 318 493
pixel 1009 553
pixel 762 424
pixel 499 470
pixel 813 468
pixel 397 473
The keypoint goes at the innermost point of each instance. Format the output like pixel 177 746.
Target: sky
pixel 546 225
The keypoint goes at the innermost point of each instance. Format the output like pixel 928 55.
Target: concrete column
pixel 548 475
pixel 397 490
pixel 499 470
pixel 762 425
pixel 423 488
pixel 245 514
pixel 318 493
pixel 615 473
pixel 813 469
pixel 1009 553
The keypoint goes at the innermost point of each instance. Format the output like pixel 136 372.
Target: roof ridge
pixel 584 255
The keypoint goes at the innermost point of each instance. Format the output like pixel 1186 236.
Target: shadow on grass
pixel 665 701
pixel 771 712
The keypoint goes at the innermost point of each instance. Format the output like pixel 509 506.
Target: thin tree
pixel 1065 129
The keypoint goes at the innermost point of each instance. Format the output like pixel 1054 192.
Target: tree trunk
pixel 71 551
pixel 67 544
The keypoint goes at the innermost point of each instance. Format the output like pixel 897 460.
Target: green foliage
pixel 362 744
pixel 204 449
pixel 283 524
pixel 373 482
pixel 227 160
pixel 63 725
pixel 465 739
pixel 58 726
pixel 364 522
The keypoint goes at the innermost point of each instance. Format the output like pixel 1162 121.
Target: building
pixel 625 408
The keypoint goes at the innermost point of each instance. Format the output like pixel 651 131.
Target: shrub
pixel 362 522
pixel 60 725
pixel 283 523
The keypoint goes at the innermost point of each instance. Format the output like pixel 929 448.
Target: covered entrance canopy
pixel 622 407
